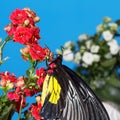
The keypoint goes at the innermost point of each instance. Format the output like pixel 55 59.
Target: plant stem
pixel 2 46
pixel 20 110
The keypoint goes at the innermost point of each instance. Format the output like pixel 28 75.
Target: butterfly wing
pixel 66 96
pixel 93 108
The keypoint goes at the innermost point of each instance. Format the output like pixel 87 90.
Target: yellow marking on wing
pixel 51 86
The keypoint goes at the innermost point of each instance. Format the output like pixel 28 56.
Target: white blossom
pixel 99 83
pixel 113 26
pixel 96 57
pixel 100 28
pixel 107 35
pixel 68 55
pixel 88 58
pixel 94 48
pixel 68 45
pixel 83 37
pixel 107 19
pixel 58 51
pixel 114 47
pixel 84 65
pixel 108 55
pixel 88 44
pixel 112 42
pixel 77 57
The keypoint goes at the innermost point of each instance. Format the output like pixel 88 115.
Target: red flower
pixel 13 96
pixel 27 92
pixel 41 73
pixel 40 81
pixel 22 35
pixel 37 52
pixel 35 111
pixel 20 82
pixel 35 35
pixel 26 36
pixel 32 14
pixel 18 16
pixel 6 76
pixel 18 103
pixel 25 52
pixel 10 29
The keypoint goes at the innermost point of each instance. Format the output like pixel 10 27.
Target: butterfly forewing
pixel 66 96
pixel 94 110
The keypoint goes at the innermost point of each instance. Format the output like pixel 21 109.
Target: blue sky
pixel 61 20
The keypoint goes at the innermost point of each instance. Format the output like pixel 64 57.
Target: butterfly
pixel 65 96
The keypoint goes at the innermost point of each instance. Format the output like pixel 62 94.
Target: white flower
pixel 83 37
pixel 114 47
pixel 88 44
pixel 100 28
pixel 99 83
pixel 88 58
pixel 108 56
pixel 84 65
pixel 96 57
pixel 113 26
pixel 68 55
pixel 107 19
pixel 68 45
pixel 107 35
pixel 77 57
pixel 58 51
pixel 112 42
pixel 95 48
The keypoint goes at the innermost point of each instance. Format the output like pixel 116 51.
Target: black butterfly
pixel 66 96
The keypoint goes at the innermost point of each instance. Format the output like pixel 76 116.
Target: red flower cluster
pixel 37 52
pixel 23 27
pixel 41 74
pixel 35 111
pixel 19 16
pixel 16 96
pixel 7 79
pixel 23 30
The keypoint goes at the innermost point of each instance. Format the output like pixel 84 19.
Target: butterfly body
pixel 67 97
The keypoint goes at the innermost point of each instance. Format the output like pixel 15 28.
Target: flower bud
pixel 26 22
pixel 38 99
pixel 3 83
pixel 10 85
pixel 20 82
pixel 36 19
pixel 107 19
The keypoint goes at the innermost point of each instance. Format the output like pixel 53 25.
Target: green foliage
pixel 6 108
pixel 98 59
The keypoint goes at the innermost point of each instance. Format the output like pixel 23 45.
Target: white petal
pixel 88 58
pixel 107 35
pixel 68 55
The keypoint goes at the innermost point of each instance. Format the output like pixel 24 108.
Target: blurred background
pixel 61 21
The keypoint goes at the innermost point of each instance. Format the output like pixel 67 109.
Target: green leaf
pixel 118 22
pixel 7 113
pixel 109 63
